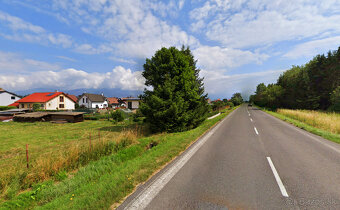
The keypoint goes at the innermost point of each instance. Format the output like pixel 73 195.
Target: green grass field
pixel 108 180
pixel 53 148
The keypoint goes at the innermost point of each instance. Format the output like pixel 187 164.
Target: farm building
pixel 93 101
pixel 7 98
pixel 48 101
pixel 132 103
pixel 71 117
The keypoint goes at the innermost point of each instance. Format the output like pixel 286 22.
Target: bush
pixel 3 108
pixel 117 115
pixel 36 107
pixel 138 116
pixel 335 100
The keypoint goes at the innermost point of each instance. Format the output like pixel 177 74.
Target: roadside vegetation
pixel 101 183
pixel 313 86
pixel 55 149
pixel 307 96
pixel 320 123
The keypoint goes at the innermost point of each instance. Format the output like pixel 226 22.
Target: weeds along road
pixel 251 160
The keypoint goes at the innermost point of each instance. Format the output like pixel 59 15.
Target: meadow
pixel 54 149
pixel 324 124
pixel 103 183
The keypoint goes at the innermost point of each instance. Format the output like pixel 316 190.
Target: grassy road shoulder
pixel 108 180
pixel 335 137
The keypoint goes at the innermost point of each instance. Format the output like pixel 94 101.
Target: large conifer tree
pixel 176 101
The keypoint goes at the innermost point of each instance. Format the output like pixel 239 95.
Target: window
pixel 83 100
pixel 86 100
pixel 13 97
pixel 42 105
pixel 129 105
pixel 22 105
pixel 61 98
pixel 61 106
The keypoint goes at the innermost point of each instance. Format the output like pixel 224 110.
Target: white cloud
pixel 13 63
pixel 215 58
pixel 314 47
pixel 21 30
pixel 129 28
pixel 69 79
pixel 217 83
pixel 17 24
pixel 242 24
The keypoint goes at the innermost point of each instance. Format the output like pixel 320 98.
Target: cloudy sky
pixel 73 44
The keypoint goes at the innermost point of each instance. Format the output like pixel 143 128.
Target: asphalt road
pixel 251 160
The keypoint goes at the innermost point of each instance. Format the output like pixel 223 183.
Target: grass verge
pixel 320 132
pixel 107 181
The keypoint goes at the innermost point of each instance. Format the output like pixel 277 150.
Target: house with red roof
pixel 48 101
pixel 113 102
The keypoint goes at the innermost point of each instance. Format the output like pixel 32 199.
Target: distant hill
pixel 114 92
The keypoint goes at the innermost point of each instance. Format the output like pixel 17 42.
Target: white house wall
pixel 5 99
pixel 99 104
pixel 81 103
pixel 54 103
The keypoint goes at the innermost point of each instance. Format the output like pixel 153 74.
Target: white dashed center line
pixel 256 131
pixel 277 177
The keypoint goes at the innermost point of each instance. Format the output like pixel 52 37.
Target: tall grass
pixel 323 120
pixel 15 177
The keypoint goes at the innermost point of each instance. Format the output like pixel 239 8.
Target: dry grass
pixel 48 163
pixel 322 120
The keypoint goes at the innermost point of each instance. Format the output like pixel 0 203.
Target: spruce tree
pixel 175 100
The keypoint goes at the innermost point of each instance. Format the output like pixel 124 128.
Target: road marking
pixel 249 115
pixel 209 118
pixel 251 120
pixel 256 131
pixel 142 200
pixel 277 177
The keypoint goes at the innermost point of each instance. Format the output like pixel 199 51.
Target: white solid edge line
pixel 277 177
pixel 148 194
pixel 256 131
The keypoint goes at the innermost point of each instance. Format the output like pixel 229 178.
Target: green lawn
pixel 108 180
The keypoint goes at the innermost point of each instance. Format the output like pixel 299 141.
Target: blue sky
pixel 75 44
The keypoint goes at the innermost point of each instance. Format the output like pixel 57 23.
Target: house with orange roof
pixel 113 102
pixel 48 101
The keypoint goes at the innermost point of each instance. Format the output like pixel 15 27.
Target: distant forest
pixel 315 85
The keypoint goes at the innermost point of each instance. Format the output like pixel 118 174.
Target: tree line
pixel 313 86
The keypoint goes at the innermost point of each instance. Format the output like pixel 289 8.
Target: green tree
pixel 335 100
pixel 117 115
pixel 236 99
pixel 177 101
pixel 36 107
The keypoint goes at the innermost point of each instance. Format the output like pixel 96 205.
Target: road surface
pixel 251 160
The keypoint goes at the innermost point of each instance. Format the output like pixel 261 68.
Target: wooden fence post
pixel 27 155
pixel 90 141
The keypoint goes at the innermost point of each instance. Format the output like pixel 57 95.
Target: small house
pixel 113 102
pixel 7 98
pixel 93 101
pixel 48 101
pixel 132 103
